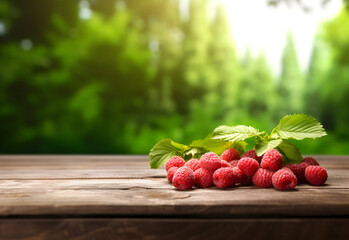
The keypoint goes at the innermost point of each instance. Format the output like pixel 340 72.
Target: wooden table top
pixel 125 186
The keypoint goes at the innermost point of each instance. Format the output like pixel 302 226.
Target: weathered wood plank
pixel 168 229
pixel 108 173
pixel 124 185
pixel 72 158
pixel 203 202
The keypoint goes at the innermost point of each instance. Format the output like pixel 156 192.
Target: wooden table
pixel 120 197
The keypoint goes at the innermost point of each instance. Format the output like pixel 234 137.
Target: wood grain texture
pixel 174 229
pixel 126 186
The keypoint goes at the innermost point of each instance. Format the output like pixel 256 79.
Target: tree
pixel 37 19
pixel 264 97
pixel 246 82
pixel 106 8
pixel 291 83
pixel 223 60
pixel 257 86
pixel 193 73
pixel 316 78
pixel 336 88
pixel 78 94
pixel 161 24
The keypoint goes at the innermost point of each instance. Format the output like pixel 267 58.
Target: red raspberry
pixel 174 162
pixel 238 174
pixel 203 178
pixel 316 175
pixel 311 161
pixel 193 164
pixel 262 178
pixel 210 161
pixel 284 179
pixel 304 165
pixel 272 160
pixel 224 177
pixel 252 154
pixel 230 154
pixel 248 165
pixel 241 178
pixel 184 178
pixel 298 170
pixel 225 163
pixel 234 163
pixel 170 173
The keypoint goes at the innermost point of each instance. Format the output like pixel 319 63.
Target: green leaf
pixel 179 146
pixel 194 152
pixel 216 145
pixel 235 133
pixel 298 126
pixel 211 145
pixel 239 146
pixel 290 152
pixel 263 145
pixel 164 150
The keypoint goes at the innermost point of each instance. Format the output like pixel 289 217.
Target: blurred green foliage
pixel 135 72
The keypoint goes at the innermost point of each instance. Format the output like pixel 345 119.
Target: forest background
pixel 134 72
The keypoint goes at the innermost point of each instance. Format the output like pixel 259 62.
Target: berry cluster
pixel 230 170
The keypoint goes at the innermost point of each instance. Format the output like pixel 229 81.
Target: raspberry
pixel 248 165
pixel 311 161
pixel 230 154
pixel 170 173
pixel 203 178
pixel 304 165
pixel 210 161
pixel 262 178
pixel 184 178
pixel 298 170
pixel 174 162
pixel 252 154
pixel 284 179
pixel 225 163
pixel 238 174
pixel 193 164
pixel 287 169
pixel 316 175
pixel 224 177
pixel 272 160
pixel 234 163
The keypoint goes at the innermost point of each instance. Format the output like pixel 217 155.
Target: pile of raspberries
pixel 230 170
